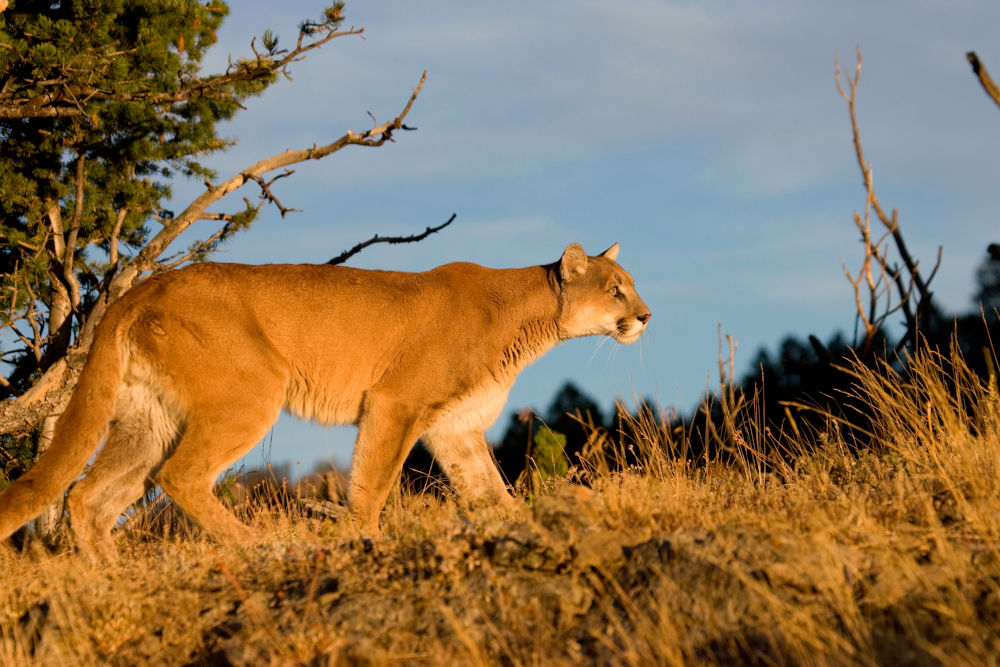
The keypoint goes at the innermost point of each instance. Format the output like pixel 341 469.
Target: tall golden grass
pixel 805 548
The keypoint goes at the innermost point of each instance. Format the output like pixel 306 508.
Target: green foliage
pixel 16 454
pixel 103 105
pixel 103 164
pixel 549 454
pixel 226 487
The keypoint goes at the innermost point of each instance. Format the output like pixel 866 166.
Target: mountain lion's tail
pixel 78 432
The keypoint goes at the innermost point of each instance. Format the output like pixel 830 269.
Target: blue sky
pixel 707 138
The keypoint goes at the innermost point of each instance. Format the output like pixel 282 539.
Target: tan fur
pixel 192 367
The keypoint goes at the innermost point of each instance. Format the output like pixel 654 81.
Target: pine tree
pixel 103 105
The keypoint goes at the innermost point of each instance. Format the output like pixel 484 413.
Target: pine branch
pixel 64 97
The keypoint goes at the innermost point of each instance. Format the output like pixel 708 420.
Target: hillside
pixel 810 551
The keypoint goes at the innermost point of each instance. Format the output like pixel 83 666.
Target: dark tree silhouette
pixel 988 280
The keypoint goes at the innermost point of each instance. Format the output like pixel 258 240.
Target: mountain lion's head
pixel 598 297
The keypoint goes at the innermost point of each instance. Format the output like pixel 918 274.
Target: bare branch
pixel 47 396
pixel 115 232
pixel 937 264
pixel 984 77
pixel 224 217
pixel 67 260
pixel 180 258
pixel 267 196
pixel 146 258
pixel 879 288
pixel 32 315
pixel 54 215
pixel 347 254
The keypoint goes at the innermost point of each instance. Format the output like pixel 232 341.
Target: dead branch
pixel 876 274
pixel 984 77
pixel 881 286
pixel 32 315
pixel 55 224
pixel 267 196
pixel 891 223
pixel 115 232
pixel 145 260
pixel 866 319
pixel 221 217
pixel 347 254
pixel 198 248
pixel 47 396
pixel 67 260
pixel 28 313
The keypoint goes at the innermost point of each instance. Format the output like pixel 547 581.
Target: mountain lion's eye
pixel 613 291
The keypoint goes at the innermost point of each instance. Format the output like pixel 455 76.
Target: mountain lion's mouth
pixel 628 332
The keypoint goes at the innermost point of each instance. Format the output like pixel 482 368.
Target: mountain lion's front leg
pixel 387 431
pixel 466 459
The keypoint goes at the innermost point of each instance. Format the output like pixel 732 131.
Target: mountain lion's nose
pixel 644 317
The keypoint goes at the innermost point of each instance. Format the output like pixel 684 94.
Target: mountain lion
pixel 191 368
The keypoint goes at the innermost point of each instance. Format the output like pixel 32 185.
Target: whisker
pixel 611 357
pixel 597 348
pixel 606 338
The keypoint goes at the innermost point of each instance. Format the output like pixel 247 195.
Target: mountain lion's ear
pixel 573 262
pixel 611 253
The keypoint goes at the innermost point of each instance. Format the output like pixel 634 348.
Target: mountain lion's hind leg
pixel 138 441
pixel 215 438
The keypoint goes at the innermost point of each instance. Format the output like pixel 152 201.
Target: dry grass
pixel 805 553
